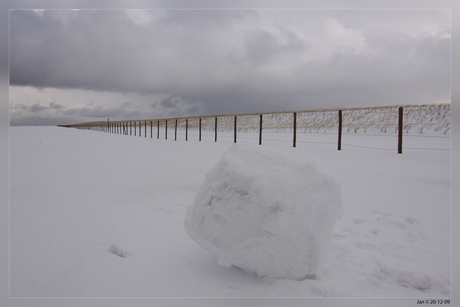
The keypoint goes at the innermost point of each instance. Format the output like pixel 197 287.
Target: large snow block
pixel 267 212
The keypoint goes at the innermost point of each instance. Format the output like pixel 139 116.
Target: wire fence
pixel 412 122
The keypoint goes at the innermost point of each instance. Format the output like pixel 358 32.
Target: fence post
pixel 260 130
pixel 234 131
pixel 199 135
pixel 400 130
pixel 145 127
pixel 166 129
pixel 215 129
pixel 339 146
pixel 151 129
pixel 130 128
pixel 158 131
pixel 186 129
pixel 175 131
pixel 295 129
pixel 140 128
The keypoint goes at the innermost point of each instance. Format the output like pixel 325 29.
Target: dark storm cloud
pixel 38 108
pixel 216 62
pixel 104 50
pixel 100 112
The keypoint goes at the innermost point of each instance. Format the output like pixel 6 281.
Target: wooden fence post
pixel 199 135
pixel 260 130
pixel 151 129
pixel 130 128
pixel 140 128
pixel 158 130
pixel 400 130
pixel 234 131
pixel 166 130
pixel 186 129
pixel 295 130
pixel 145 127
pixel 339 146
pixel 175 131
pixel 215 129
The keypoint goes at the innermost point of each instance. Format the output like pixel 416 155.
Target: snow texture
pixel 267 212
pixel 75 193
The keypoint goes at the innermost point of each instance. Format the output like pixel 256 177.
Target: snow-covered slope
pixel 422 119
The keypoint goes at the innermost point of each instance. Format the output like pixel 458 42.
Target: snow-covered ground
pixel 81 199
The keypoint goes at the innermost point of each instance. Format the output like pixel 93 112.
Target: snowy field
pixel 95 214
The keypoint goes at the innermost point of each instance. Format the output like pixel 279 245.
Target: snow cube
pixel 267 212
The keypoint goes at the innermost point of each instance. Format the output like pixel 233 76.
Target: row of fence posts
pixel 122 128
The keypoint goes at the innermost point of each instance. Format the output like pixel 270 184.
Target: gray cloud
pixel 262 47
pixel 215 62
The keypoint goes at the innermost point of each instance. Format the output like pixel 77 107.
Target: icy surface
pixel 267 212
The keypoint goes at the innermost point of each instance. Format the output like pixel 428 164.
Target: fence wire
pixel 422 121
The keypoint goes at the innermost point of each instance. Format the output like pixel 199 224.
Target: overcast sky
pixel 70 66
